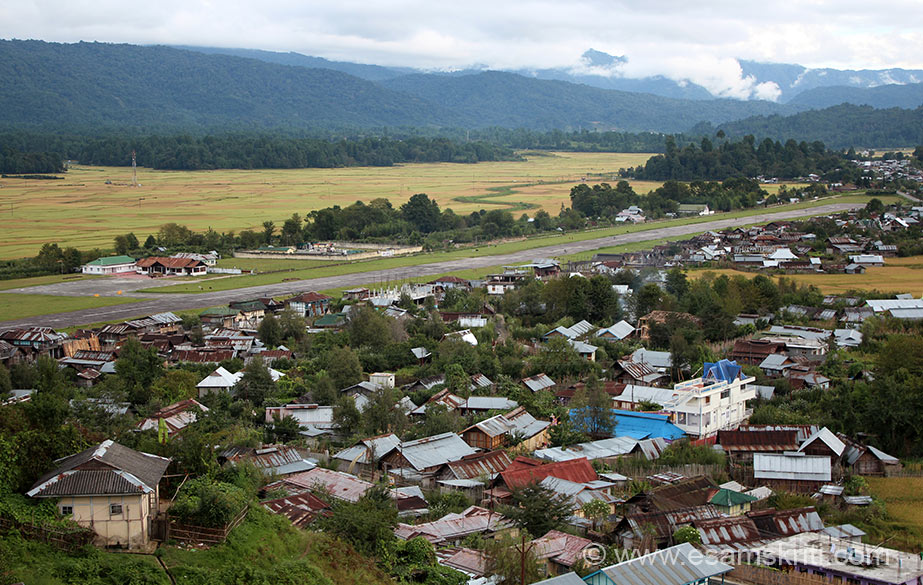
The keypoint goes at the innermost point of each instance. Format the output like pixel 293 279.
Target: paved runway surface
pixel 158 303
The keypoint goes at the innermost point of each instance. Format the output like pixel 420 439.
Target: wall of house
pixel 130 528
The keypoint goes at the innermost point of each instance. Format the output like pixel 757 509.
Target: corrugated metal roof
pixel 454 526
pixel 576 470
pixel 613 447
pixel 129 472
pixel 434 451
pixel 756 441
pixel 677 565
pixel 787 522
pixel 370 450
pixel 301 509
pixel 564 549
pixel 565 579
pixel 468 561
pixel 177 416
pixel 826 437
pixel 879 305
pixel 271 459
pixel 338 484
pixel 736 529
pixel 790 467
pixel 480 465
pixel 538 382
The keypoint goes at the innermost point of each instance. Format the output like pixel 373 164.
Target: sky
pixel 696 41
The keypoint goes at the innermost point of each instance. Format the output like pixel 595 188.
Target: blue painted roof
pixel 725 370
pixel 642 425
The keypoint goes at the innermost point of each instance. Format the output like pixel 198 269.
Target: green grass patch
pixel 264 550
pixel 267 549
pixel 40 280
pixel 18 306
pixel 42 564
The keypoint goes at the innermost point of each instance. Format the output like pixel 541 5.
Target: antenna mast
pixel 134 170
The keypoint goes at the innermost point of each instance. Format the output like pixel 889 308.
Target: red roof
pixel 762 441
pixel 575 470
pixel 309 297
pixel 169 262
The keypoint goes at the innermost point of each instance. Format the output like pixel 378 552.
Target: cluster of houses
pixel 775 246
pixel 179 264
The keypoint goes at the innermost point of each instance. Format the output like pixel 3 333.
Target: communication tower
pixel 134 170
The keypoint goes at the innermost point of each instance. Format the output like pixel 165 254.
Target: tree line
pixel 239 151
pixel 743 158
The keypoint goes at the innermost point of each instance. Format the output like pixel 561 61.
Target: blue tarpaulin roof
pixel 641 425
pixel 725 370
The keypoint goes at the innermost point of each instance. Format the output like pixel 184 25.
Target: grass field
pixel 903 275
pixel 903 499
pixel 37 280
pixel 17 306
pixel 83 211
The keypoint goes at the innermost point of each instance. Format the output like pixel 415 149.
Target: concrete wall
pixel 129 529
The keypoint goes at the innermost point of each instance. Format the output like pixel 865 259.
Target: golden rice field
pixel 898 275
pixel 83 211
pixel 903 497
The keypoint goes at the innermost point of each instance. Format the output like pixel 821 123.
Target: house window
pixel 67 510
pixel 726 394
pixel 115 509
pixel 708 400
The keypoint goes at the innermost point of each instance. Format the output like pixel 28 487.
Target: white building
pixel 716 401
pixel 110 265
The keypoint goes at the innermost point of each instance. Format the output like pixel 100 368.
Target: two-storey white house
pixel 716 401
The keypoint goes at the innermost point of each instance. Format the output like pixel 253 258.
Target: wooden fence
pixel 65 538
pixel 203 534
pixel 641 468
pixel 762 576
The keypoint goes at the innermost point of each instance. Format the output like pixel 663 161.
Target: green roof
pixel 111 261
pixel 729 498
pixel 331 320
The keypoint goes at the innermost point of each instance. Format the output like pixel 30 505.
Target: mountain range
pixel 798 85
pixel 100 86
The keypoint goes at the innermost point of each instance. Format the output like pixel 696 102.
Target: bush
pixel 208 502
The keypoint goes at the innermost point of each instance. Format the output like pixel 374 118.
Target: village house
pixel 272 460
pixel 678 565
pixel 452 528
pixel 309 304
pixel 314 420
pixel 471 474
pixel 174 418
pixel 160 266
pixel 559 551
pixel 364 457
pixel 714 402
pixel 792 472
pixel 417 462
pixel 841 561
pixel 109 265
pixel 109 488
pixel 515 427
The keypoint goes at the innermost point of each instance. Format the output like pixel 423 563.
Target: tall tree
pixel 138 367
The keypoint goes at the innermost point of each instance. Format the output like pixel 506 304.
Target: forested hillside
pixel 838 127
pixel 126 86
pixel 505 99
pixel 885 96
pixel 95 85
